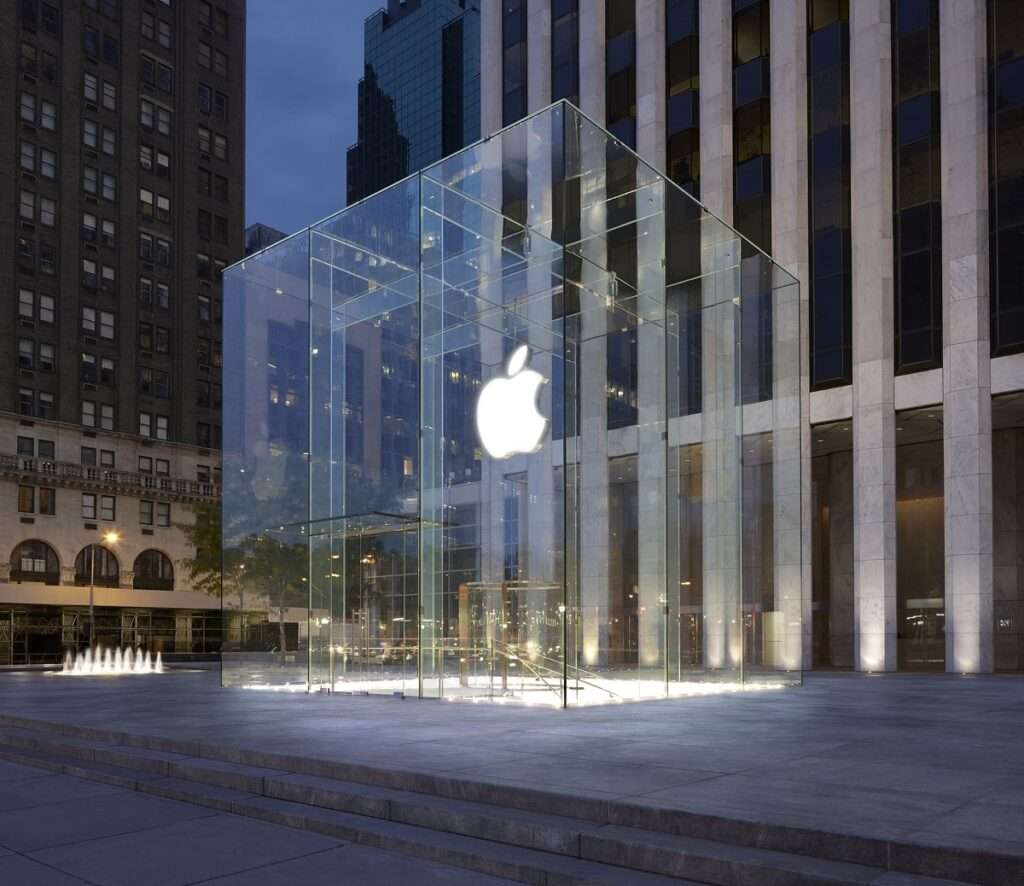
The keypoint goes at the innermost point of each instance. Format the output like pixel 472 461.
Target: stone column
pixel 716 154
pixel 721 441
pixel 874 431
pixel 650 82
pixel 592 67
pixel 592 449
pixel 652 465
pixel 840 553
pixel 538 54
pixel 791 481
pixel 490 67
pixel 966 381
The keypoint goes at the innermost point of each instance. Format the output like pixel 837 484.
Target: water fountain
pixel 101 662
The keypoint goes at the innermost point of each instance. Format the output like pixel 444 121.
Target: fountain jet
pixel 100 661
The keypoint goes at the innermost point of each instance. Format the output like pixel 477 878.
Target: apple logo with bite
pixel 507 419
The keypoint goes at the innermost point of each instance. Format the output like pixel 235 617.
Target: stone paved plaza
pixel 57 830
pixel 936 759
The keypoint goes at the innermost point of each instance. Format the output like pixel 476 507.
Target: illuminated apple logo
pixel 507 420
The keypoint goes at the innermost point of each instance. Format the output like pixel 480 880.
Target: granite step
pixel 524 846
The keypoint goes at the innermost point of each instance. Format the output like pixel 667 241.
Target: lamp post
pixel 111 537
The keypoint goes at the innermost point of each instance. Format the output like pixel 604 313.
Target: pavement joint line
pixel 54 867
pixel 271 864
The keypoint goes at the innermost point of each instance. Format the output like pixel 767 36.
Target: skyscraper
pixel 419 98
pixel 124 195
pixel 873 149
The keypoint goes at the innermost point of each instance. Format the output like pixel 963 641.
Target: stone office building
pixel 123 194
pixel 876 150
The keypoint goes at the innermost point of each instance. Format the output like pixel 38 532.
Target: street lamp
pixel 110 537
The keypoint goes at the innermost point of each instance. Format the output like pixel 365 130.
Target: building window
pixel 620 69
pixel 26 499
pixel 145 424
pixel 917 225
pixel 752 123
pixel 89 226
pixel 91 139
pixel 683 93
pixel 96 565
pixel 109 96
pixel 1006 175
pixel 153 570
pixel 47 115
pixel 35 561
pixel 89 278
pixel 513 41
pixel 565 51
pixel 47 163
pixel 828 104
pixel 88 506
pixel 145 512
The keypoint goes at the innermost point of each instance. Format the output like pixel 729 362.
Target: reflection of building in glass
pixel 844 139
pixel 374 543
pixel 419 98
pixel 259 236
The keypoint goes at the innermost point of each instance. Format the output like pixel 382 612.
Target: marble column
pixel 791 460
pixel 652 462
pixel 966 374
pixel 874 421
pixel 650 82
pixel 716 153
pixel 538 54
pixel 491 58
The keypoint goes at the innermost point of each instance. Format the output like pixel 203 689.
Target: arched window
pixel 153 572
pixel 35 561
pixel 106 570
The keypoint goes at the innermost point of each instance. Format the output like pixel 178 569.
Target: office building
pixel 419 98
pixel 123 195
pixel 874 149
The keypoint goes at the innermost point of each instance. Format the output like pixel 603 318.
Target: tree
pixel 278 570
pixel 206 565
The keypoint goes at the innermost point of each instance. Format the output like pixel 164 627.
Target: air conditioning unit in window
pixel 90 106
pixel 90 340
pixel 88 386
pixel 26 373
pixel 29 177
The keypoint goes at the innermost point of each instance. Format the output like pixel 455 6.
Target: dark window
pixel 153 569
pixel 917 223
pixel 1006 175
pixel 752 123
pixel 35 561
pixel 513 41
pixel 620 69
pixel 565 51
pixel 828 108
pixel 95 564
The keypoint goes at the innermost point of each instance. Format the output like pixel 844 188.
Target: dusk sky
pixel 303 62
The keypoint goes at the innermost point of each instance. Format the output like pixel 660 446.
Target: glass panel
pixel 266 479
pixel 522 427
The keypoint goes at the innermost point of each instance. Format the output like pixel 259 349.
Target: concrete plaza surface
pixel 934 760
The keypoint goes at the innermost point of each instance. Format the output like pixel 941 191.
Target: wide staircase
pixel 528 836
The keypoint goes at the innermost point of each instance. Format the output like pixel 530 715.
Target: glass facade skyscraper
pixel 419 98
